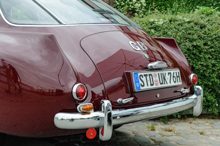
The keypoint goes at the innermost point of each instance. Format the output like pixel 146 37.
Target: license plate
pixel 156 79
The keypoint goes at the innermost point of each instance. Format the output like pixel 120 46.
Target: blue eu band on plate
pixel 156 79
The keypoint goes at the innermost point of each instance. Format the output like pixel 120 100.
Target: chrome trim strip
pixel 157 65
pixel 49 12
pixel 103 118
pixel 61 25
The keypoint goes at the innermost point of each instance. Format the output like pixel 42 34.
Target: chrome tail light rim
pixel 191 78
pixel 74 92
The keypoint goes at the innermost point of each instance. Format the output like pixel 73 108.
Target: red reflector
pixel 91 133
pixel 194 79
pixel 80 91
pixel 102 131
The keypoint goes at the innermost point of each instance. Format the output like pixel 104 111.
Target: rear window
pixel 25 12
pixel 53 12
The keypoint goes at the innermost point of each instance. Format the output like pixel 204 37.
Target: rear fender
pixel 173 51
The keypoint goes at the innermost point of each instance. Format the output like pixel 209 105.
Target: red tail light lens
pixel 79 92
pixel 193 79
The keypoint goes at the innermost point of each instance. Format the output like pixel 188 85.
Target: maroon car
pixel 71 66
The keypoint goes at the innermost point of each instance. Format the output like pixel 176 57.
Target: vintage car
pixel 80 66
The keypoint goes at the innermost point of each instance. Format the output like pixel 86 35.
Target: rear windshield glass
pixel 42 12
pixel 25 12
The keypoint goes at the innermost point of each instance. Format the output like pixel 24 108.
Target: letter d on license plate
pixel 156 79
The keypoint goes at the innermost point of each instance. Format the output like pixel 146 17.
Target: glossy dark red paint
pixel 40 65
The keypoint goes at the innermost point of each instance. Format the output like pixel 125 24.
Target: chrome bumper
pixel 107 117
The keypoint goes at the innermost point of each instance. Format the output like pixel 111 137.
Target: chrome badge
pixel 139 46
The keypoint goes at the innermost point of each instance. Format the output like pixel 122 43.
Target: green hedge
pixel 144 7
pixel 199 38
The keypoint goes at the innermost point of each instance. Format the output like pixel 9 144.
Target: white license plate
pixel 156 79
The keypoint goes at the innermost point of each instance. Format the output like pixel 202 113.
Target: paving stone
pixel 182 131
pixel 159 139
pixel 167 144
pixel 181 124
pixel 193 137
pixel 140 123
pixel 128 127
pixel 152 123
pixel 200 126
pixel 141 128
pixel 187 142
pixel 142 140
pixel 151 133
pixel 167 133
pixel 138 134
pixel 214 143
pixel 218 134
pixel 175 138
pixel 189 129
pixel 216 125
pixel 211 135
pixel 202 144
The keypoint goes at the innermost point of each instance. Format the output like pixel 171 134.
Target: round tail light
pixel 79 92
pixel 193 79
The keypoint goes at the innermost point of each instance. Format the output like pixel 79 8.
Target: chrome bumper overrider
pixel 107 117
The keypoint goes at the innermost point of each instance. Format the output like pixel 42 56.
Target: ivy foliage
pixel 199 38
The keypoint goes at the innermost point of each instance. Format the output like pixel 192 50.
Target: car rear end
pixel 142 77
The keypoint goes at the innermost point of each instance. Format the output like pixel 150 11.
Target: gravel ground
pixel 195 132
